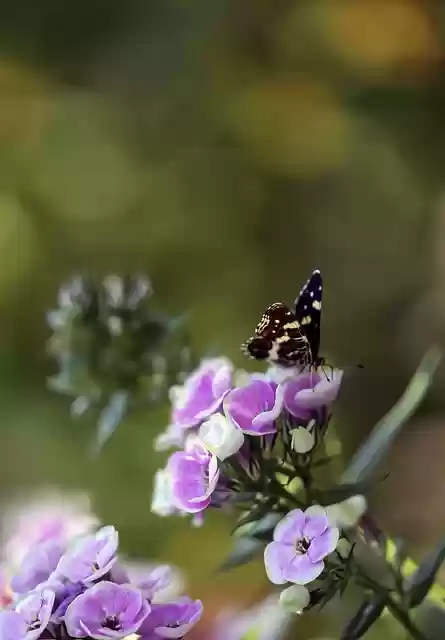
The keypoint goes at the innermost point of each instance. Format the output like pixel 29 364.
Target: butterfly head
pixel 257 348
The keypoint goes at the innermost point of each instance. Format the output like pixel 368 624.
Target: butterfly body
pixel 291 337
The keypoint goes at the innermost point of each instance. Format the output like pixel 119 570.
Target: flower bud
pixel 346 514
pixel 294 599
pixel 302 440
pixel 221 436
pixel 162 498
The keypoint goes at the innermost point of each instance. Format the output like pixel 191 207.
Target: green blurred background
pixel 225 148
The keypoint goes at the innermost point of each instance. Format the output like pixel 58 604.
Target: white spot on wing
pixel 316 305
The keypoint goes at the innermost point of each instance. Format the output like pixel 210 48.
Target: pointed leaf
pixel 257 512
pixel 245 550
pixel 110 418
pixel 378 443
pixel 422 580
pixel 368 613
pixel 340 492
pixel 260 529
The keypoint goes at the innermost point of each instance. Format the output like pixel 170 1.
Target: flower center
pixel 112 622
pixel 35 624
pixel 302 545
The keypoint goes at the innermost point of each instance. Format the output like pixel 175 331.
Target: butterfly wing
pixel 307 311
pixel 278 337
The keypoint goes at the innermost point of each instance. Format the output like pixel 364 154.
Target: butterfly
pixel 291 337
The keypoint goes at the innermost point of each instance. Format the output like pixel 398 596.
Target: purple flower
pixel 202 393
pixel 29 619
pixel 157 582
pixel 37 566
pixel 300 542
pixel 64 598
pixel 255 407
pixel 194 474
pixel 90 557
pixel 171 620
pixel 105 611
pixel 310 391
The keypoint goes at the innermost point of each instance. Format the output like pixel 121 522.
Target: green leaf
pixel 418 585
pixel 381 438
pixel 257 512
pixel 245 550
pixel 110 418
pixel 340 492
pixel 368 613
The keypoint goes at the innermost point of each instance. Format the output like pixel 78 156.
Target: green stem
pixel 404 619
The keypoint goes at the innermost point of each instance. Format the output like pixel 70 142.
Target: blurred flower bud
pixel 346 514
pixel 109 342
pixel 294 599
pixel 162 498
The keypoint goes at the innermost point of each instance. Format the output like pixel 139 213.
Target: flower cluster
pixel 112 348
pixel 244 439
pixel 83 590
pixel 236 431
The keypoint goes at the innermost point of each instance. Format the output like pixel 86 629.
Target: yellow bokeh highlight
pixel 293 126
pixel 25 105
pixel 381 35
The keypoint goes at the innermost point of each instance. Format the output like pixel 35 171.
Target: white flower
pixel 294 599
pixel 346 514
pixel 162 498
pixel 302 440
pixel 221 436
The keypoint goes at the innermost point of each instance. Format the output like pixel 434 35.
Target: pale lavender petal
pixel 242 405
pixel 293 388
pixel 222 382
pixel 12 626
pixel 172 620
pixel 198 397
pixel 290 528
pixel 323 394
pixel 277 559
pixel 315 525
pixel 202 393
pixel 302 571
pixel 323 545
pixel 265 421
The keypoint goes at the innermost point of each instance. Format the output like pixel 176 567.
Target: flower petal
pixel 302 571
pixel 290 528
pixel 277 558
pixel 324 392
pixel 315 525
pixel 244 404
pixel 266 419
pixel 323 545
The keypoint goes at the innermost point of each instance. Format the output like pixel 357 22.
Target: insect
pixel 291 337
